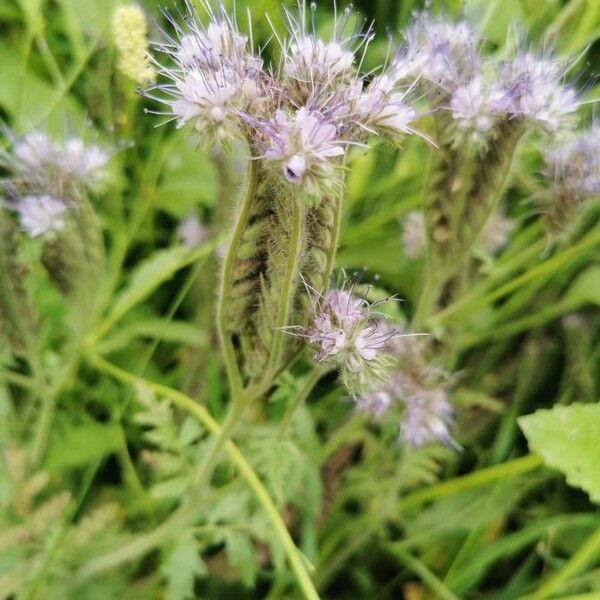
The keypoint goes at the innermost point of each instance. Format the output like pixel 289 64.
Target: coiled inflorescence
pixel 572 171
pixel 416 388
pixel 300 115
pixel 47 189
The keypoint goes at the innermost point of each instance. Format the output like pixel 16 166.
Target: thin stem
pixel 186 403
pixel 233 374
pixel 586 553
pixel 512 468
pixel 424 573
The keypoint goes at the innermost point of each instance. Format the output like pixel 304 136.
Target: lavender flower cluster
pixel 44 177
pixel 382 368
pixel 481 92
pixel 301 115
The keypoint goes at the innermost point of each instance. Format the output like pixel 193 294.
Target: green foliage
pixel 567 439
pixel 108 409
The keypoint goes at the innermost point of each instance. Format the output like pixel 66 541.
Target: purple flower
pixel 305 144
pixel 40 215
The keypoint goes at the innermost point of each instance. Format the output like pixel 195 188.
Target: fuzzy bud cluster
pixel 481 92
pixel 345 334
pixel 572 170
pixel 44 176
pixel 418 390
pixel 299 116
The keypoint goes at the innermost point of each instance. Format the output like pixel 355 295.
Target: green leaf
pixel 241 556
pixel 566 437
pixel 82 444
pixel 585 289
pixel 149 275
pixel 181 567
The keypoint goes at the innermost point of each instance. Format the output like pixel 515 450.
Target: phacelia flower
pixel 40 215
pixel 532 88
pixel 215 77
pixel 415 390
pixel 345 334
pixel 572 170
pixel 37 157
pixel 305 145
pixel 472 106
pixel 438 53
pixel 427 418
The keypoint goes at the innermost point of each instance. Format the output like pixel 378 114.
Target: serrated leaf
pixel 566 437
pixel 181 567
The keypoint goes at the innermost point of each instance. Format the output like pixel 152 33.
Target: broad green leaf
pixel 566 437
pixel 82 444
pixel 181 567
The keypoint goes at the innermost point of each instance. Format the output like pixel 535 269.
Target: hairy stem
pixel 227 349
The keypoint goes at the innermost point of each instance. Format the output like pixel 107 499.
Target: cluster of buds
pixel 48 191
pixel 418 390
pixel 46 177
pixel 480 92
pixel 301 115
pixel 572 170
pixel 345 333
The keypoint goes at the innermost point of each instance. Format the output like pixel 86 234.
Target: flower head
pixel 344 333
pixel 472 106
pixel 427 418
pixel 438 53
pixel 40 215
pixel 305 144
pixel 531 88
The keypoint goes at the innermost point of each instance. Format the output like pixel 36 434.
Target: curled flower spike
pixel 36 157
pixel 531 88
pixel 415 388
pixel 344 333
pixel 41 215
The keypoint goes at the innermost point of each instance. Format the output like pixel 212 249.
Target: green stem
pixel 233 374
pixel 186 403
pixel 512 468
pixel 586 553
pixel 425 574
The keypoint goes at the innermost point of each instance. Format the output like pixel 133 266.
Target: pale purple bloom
pixel 427 418
pixel 472 106
pixel 438 52
pixel 531 88
pixel 374 404
pixel 42 214
pixel 304 144
pixel 575 165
